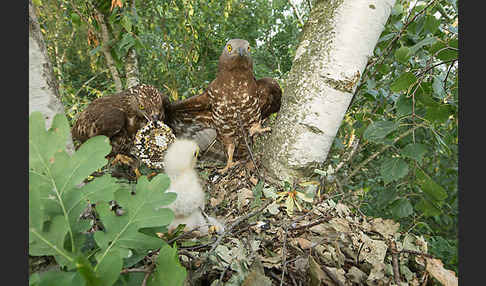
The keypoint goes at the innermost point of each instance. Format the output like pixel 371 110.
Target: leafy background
pixel 397 148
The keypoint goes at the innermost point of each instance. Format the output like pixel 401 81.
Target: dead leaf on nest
pixel 253 180
pixel 385 227
pixel 244 196
pixel 445 276
pixel 317 275
pixel 357 276
pixel 303 243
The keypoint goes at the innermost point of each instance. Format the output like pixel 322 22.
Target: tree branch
pixel 105 47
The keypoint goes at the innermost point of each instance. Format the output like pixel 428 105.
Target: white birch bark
pixel 336 43
pixel 43 94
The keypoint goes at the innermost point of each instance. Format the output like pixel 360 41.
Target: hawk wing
pixel 191 118
pixel 270 95
pixel 98 120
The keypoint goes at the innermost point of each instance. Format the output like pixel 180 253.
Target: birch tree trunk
pixel 336 43
pixel 43 93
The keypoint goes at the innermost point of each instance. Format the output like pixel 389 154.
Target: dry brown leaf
pixel 317 275
pixel 115 3
pixel 445 276
pixel 385 227
pixel 253 180
pixel 303 243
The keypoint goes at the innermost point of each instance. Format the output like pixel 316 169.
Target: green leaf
pixel 86 271
pixel 60 278
pixel 444 54
pixel 108 270
pixel 425 42
pixel 427 209
pixel 438 87
pixel 402 54
pixel 438 113
pixel 403 82
pixel 429 186
pixel 393 169
pixel 431 24
pixel 48 238
pixel 169 270
pixel 402 208
pixel 414 151
pixel 144 209
pixel 378 130
pixel 404 105
pixel 44 144
pixel 126 23
pixel 56 202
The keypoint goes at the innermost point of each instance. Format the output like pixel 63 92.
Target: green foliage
pixel 58 197
pixel 168 271
pixel 405 113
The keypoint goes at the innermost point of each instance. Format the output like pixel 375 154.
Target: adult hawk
pixel 119 116
pixel 234 104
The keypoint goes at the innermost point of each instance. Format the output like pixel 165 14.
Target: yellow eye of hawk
pixel 248 48
pixel 141 106
pixel 229 48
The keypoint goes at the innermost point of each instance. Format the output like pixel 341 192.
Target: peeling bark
pixel 336 43
pixel 105 47
pixel 43 93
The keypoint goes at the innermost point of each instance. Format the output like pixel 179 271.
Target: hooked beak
pixel 241 52
pixel 155 117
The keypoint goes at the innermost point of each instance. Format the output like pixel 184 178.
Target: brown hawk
pixel 234 104
pixel 119 116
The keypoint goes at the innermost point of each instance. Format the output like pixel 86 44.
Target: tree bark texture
pixel 43 93
pixel 131 68
pixel 336 43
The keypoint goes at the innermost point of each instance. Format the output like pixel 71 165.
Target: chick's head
pixel 181 156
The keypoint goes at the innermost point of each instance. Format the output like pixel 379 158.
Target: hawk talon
pixel 258 129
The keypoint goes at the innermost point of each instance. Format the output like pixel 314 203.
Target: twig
pixel 355 145
pixel 128 270
pixel 319 221
pixel 275 276
pixel 447 75
pixel 237 222
pixel 182 235
pixel 416 253
pixel 149 271
pixel 396 271
pixel 296 12
pixel 284 255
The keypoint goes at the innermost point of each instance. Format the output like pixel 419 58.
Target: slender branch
pixel 105 47
pixel 296 12
pixel 447 75
pixel 396 271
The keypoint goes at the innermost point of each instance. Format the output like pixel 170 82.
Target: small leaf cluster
pixel 59 196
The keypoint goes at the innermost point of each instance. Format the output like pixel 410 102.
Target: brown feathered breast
pixel 119 116
pixel 234 103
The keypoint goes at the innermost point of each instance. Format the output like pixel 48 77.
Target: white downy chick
pixel 179 163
